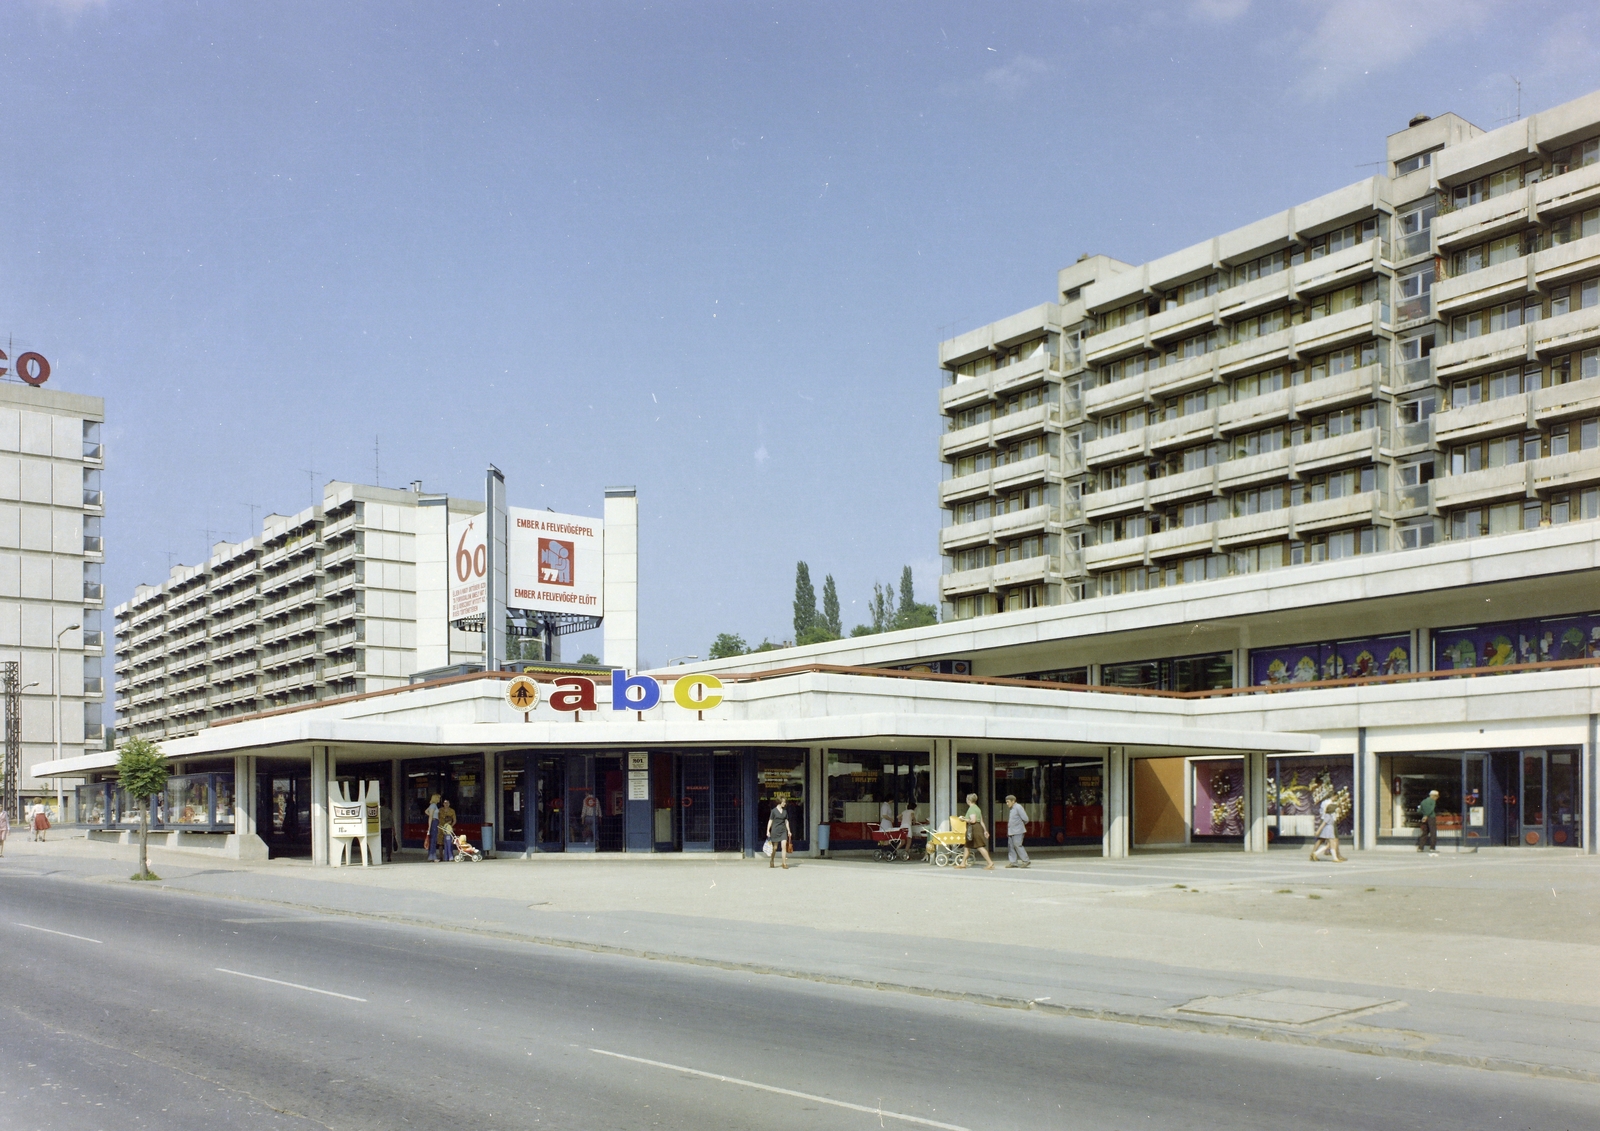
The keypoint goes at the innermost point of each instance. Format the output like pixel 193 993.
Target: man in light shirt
pixel 1016 829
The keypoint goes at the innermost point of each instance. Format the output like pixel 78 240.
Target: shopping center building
pixel 1307 511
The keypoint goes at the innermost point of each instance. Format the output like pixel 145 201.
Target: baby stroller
pixel 891 844
pixel 465 853
pixel 945 847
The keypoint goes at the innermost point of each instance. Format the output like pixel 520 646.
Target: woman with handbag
pixel 41 822
pixel 778 834
pixel 977 835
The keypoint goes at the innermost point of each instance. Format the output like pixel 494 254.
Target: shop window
pixel 1206 672
pixel 868 787
pixel 1297 789
pixel 1063 798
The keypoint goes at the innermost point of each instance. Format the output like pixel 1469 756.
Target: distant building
pixel 320 604
pixel 51 554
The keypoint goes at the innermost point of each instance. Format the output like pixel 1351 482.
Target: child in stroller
pixel 464 850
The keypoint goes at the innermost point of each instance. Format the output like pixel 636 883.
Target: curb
pixel 1168 1021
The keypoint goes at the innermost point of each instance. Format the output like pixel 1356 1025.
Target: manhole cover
pixel 1283 1007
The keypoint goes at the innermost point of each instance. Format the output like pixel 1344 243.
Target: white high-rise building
pixel 51 555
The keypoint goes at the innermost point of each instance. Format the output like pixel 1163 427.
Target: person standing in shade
pixel 1016 830
pixel 977 835
pixel 1328 834
pixel 447 831
pixel 1429 811
pixel 431 841
pixel 778 834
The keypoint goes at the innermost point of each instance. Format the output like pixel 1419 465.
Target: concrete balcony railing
pixel 1330 272
pixel 1118 500
pixel 1579 188
pixel 1026 422
pixel 334 671
pixel 1488 351
pixel 1025 570
pixel 1170 489
pixel 1183 376
pixel 1120 448
pixel 1253 297
pixel 1410 374
pixel 960 440
pixel 961 487
pixel 341 640
pixel 342 554
pixel 1183 321
pixel 334 529
pixel 965 392
pixel 1497 282
pixel 288 655
pixel 1566 262
pixel 299 626
pixel 1484 220
pixel 1560 473
pixel 1018 523
pixel 279 582
pixel 1267 526
pixel 1115 555
pixel 1024 471
pixel 1018 373
pixel 967 581
pixel 1508 414
pixel 1578 329
pixel 1337 451
pixel 1108 345
pixel 234 621
pixel 1329 514
pixel 221 650
pixel 1562 402
pixel 1181 541
pixel 184 684
pixel 1183 431
pixel 1117 395
pixel 1268 467
pixel 1488 485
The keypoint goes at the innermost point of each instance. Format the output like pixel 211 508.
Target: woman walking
pixel 431 841
pixel 977 835
pixel 41 822
pixel 1328 834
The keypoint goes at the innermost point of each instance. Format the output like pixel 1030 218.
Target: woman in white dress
pixel 1328 833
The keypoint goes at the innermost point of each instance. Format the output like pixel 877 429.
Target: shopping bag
pixel 766 848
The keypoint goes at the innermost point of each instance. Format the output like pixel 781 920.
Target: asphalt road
pixel 167 1011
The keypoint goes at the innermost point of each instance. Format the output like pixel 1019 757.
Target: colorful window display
pixel 189 800
pixel 866 787
pixel 1063 798
pixel 1217 787
pixel 1337 659
pixel 1517 642
pixel 1296 789
pixel 93 803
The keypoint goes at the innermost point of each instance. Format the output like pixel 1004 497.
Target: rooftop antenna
pixel 254 528
pixel 1518 81
pixel 311 480
pixel 377 471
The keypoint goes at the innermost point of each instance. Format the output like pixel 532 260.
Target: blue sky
pixel 707 249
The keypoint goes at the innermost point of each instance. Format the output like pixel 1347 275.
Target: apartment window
pixel 1478 522
pixel 1123 475
pixel 1200 512
pixel 1588 366
pixel 1193 459
pixel 93 637
pixel 1266 265
pixel 1416 409
pixel 1258 559
pixel 1496 184
pixel 1259 499
pixel 1336 545
pixel 91 487
pixel 1345 298
pixel 1416 293
pixel 1415 472
pixel 1016 453
pixel 1023 401
pixel 1418 220
pixel 93 684
pixel 971 465
pixel 93 590
pixel 1022 500
pixel 1498 451
pixel 978 557
pixel 1024 597
pixel 91 439
pixel 1345 237
pixel 1130 420
pixel 1122 316
pixel 1124 527
pixel 1258 384
pixel 1577 226
pixel 92 543
pixel 1576 156
pixel 1342 361
pixel 1334 485
pixel 1413 163
pixel 1261 325
pixel 1129 367
pixel 971 512
pixel 93 727
pixel 1196 346
pixel 1415 533
pixel 1199 289
pixel 968 417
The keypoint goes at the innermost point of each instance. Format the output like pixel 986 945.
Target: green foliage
pixel 728 644
pixel 766 646
pixel 818 633
pixel 882 607
pixel 141 770
pixel 830 609
pixel 805 600
pixel 907 597
pixel 862 630
pixel 588 658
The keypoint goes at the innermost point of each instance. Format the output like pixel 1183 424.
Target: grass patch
pixel 144 876
pixel 1372 889
pixel 1177 885
pixel 1284 891
pixel 1313 896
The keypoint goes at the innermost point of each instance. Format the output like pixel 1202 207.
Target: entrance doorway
pixel 713 818
pixel 1529 797
pixel 283 808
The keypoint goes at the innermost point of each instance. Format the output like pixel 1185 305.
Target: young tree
pixel 882 607
pixel 142 771
pixel 830 609
pixel 728 644
pixel 910 614
pixel 805 600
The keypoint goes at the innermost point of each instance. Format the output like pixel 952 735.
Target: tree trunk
pixel 144 839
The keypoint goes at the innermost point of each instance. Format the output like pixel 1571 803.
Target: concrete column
pixel 319 805
pixel 433 582
pixel 620 629
pixel 1117 815
pixel 396 810
pixel 1422 657
pixel 1366 793
pixel 1590 770
pixel 244 794
pixel 816 794
pixel 942 797
pixel 1255 802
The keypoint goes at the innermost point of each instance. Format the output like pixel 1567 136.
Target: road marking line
pixel 286 919
pixel 63 934
pixel 291 985
pixel 878 1111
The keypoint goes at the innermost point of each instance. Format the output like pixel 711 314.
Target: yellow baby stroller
pixel 945 848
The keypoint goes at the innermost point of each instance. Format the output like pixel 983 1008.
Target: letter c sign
pixel 708 685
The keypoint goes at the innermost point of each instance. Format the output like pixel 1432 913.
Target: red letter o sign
pixel 33 368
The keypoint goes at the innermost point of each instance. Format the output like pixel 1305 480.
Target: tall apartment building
pixel 320 604
pixel 1409 359
pixel 51 554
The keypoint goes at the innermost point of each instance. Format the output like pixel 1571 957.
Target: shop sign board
pixel 638 785
pixel 555 562
pixel 469 568
pixel 635 693
pixel 522 693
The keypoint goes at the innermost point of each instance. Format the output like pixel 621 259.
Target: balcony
pixel 1484 220
pixel 1028 371
pixel 1114 449
pixel 1268 467
pixel 1117 395
pixel 224 649
pixel 964 392
pixel 342 640
pixel 184 684
pixel 1410 374
pixel 288 655
pixel 954 442
pixel 1254 297
pixel 1109 345
pixel 1024 570
pixel 1576 330
pixel 1566 262
pixel 1498 282
pixel 1577 189
pixel 1337 451
pixel 334 671
pixel 1508 414
pixel 1562 402
pixel 1118 500
pixel 283 580
pixel 1488 351
pixel 1183 376
pixel 1338 329
pixel 228 624
pixel 1342 268
pixel 1027 422
pixel 1115 555
pixel 1024 471
pixel 1182 432
pixel 1267 526
pixel 1183 321
pixel 1329 514
pixel 334 529
pixel 967 581
pixel 1170 489
pixel 342 554
pixel 1487 485
pixel 1181 541
pixel 299 626
pixel 1412 245
pixel 961 487
pixel 1559 473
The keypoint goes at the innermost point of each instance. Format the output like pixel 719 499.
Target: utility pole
pixel 11 680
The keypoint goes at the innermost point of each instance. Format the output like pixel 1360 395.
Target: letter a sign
pixel 522 693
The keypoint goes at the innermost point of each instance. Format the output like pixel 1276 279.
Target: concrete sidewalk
pixel 1482 959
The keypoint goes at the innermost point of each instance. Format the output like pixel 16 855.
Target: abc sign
pixel 31 367
pixel 692 693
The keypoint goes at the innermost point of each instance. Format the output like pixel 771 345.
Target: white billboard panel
pixel 469 568
pixel 557 562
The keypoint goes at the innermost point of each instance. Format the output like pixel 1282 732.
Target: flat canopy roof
pixel 808 708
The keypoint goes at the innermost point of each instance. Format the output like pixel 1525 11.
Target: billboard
pixel 469 568
pixel 556 562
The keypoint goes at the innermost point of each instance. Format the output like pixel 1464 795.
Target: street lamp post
pixel 61 793
pixel 681 660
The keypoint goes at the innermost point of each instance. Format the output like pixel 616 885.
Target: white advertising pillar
pixel 620 629
pixel 433 581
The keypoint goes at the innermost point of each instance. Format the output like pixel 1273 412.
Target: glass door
pixel 547 799
pixel 1533 797
pixel 583 804
pixel 1474 801
pixel 1564 792
pixel 695 774
pixel 513 803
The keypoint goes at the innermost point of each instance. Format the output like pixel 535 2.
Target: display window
pixel 1339 659
pixel 1406 779
pixel 94 803
pixel 867 788
pixel 459 781
pixel 1517 642
pixel 1062 797
pixel 222 793
pixel 1216 790
pixel 1296 790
